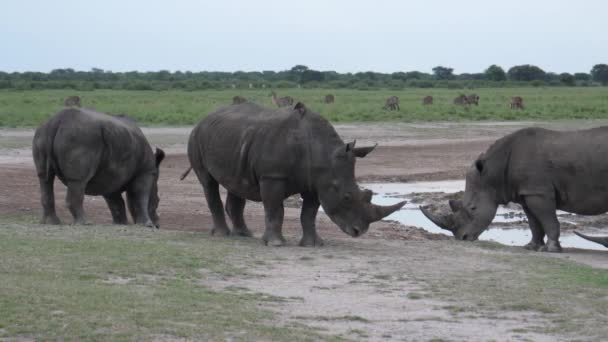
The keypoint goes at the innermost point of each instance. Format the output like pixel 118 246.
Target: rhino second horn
pixel 378 212
pixel 602 240
pixel 442 222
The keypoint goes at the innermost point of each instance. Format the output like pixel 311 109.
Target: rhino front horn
pixel 602 240
pixel 378 212
pixel 444 222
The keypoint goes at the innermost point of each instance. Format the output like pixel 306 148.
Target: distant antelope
pixel 238 99
pixel 329 98
pixel 427 100
pixel 461 100
pixel 72 101
pixel 392 103
pixel 281 101
pixel 517 102
pixel 473 99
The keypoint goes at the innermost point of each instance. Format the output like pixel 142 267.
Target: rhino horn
pixel 602 240
pixel 375 212
pixel 442 222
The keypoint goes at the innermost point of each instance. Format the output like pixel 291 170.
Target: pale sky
pixel 341 35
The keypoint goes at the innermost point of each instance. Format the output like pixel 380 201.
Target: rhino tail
pixel 602 240
pixel 185 174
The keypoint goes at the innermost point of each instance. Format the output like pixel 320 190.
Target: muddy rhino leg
pixel 117 208
pixel 234 208
pixel 273 194
pixel 538 234
pixel 212 194
pixel 74 200
pixel 47 198
pixel 308 216
pixel 543 208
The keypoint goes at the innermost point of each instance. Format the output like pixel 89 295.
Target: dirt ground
pixel 341 293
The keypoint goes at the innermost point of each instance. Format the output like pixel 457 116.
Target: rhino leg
pixel 47 198
pixel 273 193
pixel 140 190
pixel 234 208
pixel 117 208
pixel 543 209
pixel 308 216
pixel 538 234
pixel 214 201
pixel 74 199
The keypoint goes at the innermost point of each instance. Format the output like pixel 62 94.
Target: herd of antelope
pixel 392 102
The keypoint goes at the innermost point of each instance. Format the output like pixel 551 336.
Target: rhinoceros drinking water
pixel 542 170
pixel 267 155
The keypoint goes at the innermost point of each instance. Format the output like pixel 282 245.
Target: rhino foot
pixel 275 240
pixel 314 241
pixel 52 219
pixel 244 232
pixel 82 222
pixel 551 246
pixel 534 246
pixel 220 231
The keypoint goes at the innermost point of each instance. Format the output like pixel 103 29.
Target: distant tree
pixel 495 73
pixel 399 76
pixel 582 76
pixel 297 71
pixel 416 75
pixel 566 79
pixel 599 73
pixel 443 73
pixel 311 75
pixel 526 72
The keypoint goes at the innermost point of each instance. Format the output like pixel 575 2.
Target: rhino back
pixel 570 165
pixel 106 150
pixel 240 145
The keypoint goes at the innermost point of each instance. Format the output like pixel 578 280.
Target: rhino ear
pixel 479 165
pixel 160 155
pixel 351 146
pixel 361 152
pixel 300 108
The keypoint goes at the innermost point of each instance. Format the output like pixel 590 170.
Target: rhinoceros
pixel 267 155
pixel 97 154
pixel 543 170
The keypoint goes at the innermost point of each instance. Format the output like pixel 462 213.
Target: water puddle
pixel 518 234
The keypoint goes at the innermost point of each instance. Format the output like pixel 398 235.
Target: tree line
pixel 299 76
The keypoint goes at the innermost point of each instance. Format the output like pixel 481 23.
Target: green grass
pixel 30 108
pixel 125 283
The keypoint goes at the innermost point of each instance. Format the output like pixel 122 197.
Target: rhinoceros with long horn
pixel 267 155
pixel 543 170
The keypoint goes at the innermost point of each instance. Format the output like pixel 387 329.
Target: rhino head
pixel 341 198
pixel 471 216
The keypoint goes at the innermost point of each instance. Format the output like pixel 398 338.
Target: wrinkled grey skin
pixel 427 100
pixel 281 101
pixel 461 100
pixel 97 154
pixel 329 99
pixel 238 99
pixel 542 170
pixel 72 101
pixel 473 99
pixel 392 103
pixel 517 102
pixel 267 155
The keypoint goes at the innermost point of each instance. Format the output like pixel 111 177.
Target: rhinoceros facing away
pixel 266 155
pixel 542 170
pixel 97 154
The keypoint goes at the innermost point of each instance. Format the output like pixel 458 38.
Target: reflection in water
pixel 390 193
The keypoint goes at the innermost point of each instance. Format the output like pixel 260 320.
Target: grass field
pixel 30 108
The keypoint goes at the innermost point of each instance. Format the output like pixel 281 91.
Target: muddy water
pixel 518 234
